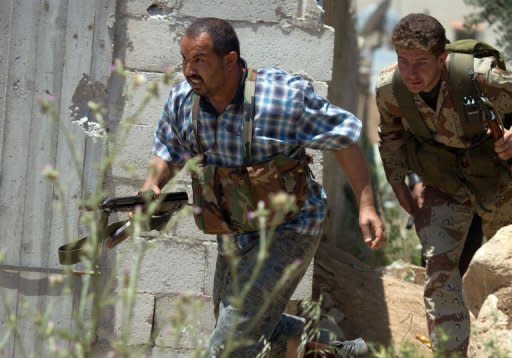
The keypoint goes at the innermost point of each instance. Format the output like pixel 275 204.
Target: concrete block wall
pixel 288 34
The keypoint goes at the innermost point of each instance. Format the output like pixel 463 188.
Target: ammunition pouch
pixel 224 197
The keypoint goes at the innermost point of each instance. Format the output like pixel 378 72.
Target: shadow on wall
pixel 39 284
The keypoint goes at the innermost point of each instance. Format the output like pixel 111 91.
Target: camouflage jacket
pixel 444 123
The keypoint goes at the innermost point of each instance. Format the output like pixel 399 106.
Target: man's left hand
pixel 372 228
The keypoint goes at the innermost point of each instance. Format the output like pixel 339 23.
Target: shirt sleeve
pixel 322 125
pixel 499 90
pixel 168 141
pixel 391 135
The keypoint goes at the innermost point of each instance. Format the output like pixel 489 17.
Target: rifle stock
pixel 167 205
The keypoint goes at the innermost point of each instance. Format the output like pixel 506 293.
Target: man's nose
pixel 413 70
pixel 188 69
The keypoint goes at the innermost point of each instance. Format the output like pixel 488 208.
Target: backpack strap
pixel 409 110
pixel 248 116
pixel 461 79
pixel 462 86
pixel 195 121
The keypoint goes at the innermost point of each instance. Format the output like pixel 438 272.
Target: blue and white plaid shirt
pixel 288 115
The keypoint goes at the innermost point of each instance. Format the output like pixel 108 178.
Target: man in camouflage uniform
pixel 206 115
pixel 452 194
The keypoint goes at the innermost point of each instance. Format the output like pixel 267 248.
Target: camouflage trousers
pixel 258 319
pixel 442 225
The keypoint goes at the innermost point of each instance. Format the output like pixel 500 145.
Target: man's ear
pixel 442 58
pixel 230 59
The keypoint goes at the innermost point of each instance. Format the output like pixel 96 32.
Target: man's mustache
pixel 194 78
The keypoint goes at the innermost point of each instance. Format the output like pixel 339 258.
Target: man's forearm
pixel 354 165
pixel 160 172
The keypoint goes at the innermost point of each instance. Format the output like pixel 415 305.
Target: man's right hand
pixel 160 172
pixel 417 193
pixel 151 187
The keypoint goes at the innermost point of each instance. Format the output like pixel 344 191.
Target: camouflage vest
pixel 476 168
pixel 225 196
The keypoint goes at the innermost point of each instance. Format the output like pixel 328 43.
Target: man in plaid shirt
pixel 288 117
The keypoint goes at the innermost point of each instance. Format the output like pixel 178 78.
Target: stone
pixel 489 270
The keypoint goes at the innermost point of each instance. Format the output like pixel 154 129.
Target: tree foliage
pixel 496 13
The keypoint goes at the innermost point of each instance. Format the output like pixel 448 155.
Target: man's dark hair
pixel 221 32
pixel 420 31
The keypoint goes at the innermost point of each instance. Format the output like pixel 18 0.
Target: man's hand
pixel 405 198
pixel 160 172
pixel 151 187
pixel 503 146
pixel 372 228
pixel 417 193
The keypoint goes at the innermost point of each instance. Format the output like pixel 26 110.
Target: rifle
pixel 482 102
pixel 491 116
pixel 167 205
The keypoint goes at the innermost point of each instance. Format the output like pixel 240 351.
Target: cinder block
pixel 140 7
pixel 294 49
pixel 303 13
pixel 183 322
pixel 321 88
pixel 211 261
pixel 241 10
pixel 163 352
pixel 167 266
pixel 154 45
pixel 187 229
pixel 133 153
pixel 149 113
pixel 140 328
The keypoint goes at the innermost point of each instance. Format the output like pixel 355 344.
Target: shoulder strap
pixel 195 121
pixel 461 72
pixel 460 68
pixel 408 107
pixel 248 116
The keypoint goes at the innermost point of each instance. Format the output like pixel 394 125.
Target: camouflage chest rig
pixel 476 168
pixel 224 197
